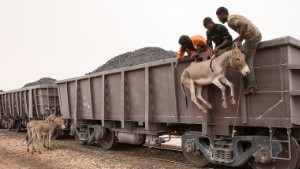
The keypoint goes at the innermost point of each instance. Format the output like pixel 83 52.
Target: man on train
pixel 218 34
pixel 247 31
pixel 193 46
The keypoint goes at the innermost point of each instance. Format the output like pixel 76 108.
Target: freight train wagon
pixel 19 106
pixel 138 104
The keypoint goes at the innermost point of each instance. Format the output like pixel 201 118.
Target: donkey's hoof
pixel 232 101
pixel 224 105
pixel 209 106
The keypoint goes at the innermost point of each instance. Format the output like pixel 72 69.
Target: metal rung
pixel 280 158
pixel 282 141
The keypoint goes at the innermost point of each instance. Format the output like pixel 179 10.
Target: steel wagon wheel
pixel 79 141
pixel 56 134
pixel 18 124
pixel 109 141
pixel 190 154
pixel 279 164
pixel 197 160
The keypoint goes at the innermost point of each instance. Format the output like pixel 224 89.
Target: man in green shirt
pixel 247 31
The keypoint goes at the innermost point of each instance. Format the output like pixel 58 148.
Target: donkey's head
pixel 238 61
pixel 51 117
pixel 59 121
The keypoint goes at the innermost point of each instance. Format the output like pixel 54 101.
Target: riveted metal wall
pixel 150 94
pixel 30 102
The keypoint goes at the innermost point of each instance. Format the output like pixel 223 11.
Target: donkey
pixel 213 71
pixel 32 123
pixel 44 129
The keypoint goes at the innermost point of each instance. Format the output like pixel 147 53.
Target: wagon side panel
pixel 161 89
pixel 96 90
pixel 84 105
pixel 113 104
pixel 294 81
pixel 64 99
pixel 135 95
pixel 72 92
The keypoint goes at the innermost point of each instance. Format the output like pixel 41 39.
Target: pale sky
pixel 67 38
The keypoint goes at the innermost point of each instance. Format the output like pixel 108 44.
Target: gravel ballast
pixel 68 154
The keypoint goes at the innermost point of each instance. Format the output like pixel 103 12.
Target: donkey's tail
pixel 184 77
pixel 186 101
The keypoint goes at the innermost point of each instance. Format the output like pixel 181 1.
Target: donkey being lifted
pixel 199 74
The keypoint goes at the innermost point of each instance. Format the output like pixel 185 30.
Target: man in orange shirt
pixel 192 45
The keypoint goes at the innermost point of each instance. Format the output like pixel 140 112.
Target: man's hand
pixel 215 51
pixel 195 55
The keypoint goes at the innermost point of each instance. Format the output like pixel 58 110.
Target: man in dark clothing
pixel 218 34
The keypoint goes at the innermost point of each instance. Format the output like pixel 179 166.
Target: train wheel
pixel 56 134
pixel 18 125
pixel 278 164
pixel 10 124
pixel 79 141
pixel 110 141
pixel 188 150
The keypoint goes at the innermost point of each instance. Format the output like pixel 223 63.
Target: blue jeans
pixel 250 47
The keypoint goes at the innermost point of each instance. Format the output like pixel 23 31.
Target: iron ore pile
pixel 140 56
pixel 44 80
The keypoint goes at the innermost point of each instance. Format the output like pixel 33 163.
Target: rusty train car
pixel 138 104
pixel 19 106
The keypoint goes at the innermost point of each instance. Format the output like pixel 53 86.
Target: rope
pixel 210 64
pixel 237 110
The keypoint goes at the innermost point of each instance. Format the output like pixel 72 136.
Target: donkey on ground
pixel 32 123
pixel 213 71
pixel 44 128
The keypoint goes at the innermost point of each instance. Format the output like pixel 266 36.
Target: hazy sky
pixel 68 38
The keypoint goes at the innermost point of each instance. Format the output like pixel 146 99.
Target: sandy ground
pixel 68 154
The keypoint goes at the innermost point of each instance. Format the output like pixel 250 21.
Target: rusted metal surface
pixel 149 94
pixel 29 102
pixel 147 101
